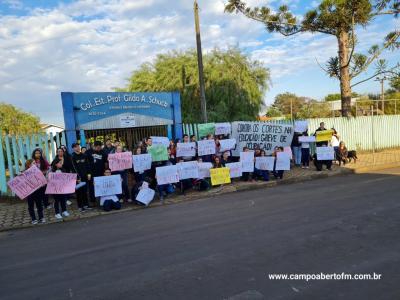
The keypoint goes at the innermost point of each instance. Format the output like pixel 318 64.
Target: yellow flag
pixel 220 176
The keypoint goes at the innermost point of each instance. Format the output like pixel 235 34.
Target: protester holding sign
pixel 109 202
pixel 296 148
pixel 98 163
pixel 318 132
pixel 278 173
pixel 262 166
pixel 226 158
pixel 42 164
pixel 124 163
pixel 247 161
pixel 305 153
pixel 323 156
pixel 81 166
pixel 35 198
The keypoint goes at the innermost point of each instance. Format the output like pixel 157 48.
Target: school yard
pixel 14 213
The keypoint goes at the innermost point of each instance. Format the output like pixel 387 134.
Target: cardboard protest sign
pixel 222 128
pixel 206 129
pixel 325 153
pixel 187 170
pixel 145 196
pixel 61 183
pixel 158 153
pixel 300 126
pixel 160 141
pixel 185 149
pixel 247 160
pixel 168 174
pixel 265 163
pixel 220 176
pixel 227 144
pixel 282 161
pixel 204 170
pixel 265 135
pixel 307 139
pixel 324 135
pixel 107 185
pixel 120 161
pixel 141 162
pixel 235 169
pixel 27 182
pixel 206 147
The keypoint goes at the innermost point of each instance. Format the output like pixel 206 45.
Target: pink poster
pixel 61 183
pixel 27 182
pixel 120 161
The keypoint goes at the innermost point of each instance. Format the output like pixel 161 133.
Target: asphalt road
pixel 220 248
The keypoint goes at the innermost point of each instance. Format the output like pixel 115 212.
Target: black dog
pixel 352 155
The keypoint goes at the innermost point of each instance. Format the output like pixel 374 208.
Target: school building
pixel 128 117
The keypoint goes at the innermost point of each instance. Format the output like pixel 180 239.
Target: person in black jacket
pixel 81 166
pixel 321 128
pixel 98 163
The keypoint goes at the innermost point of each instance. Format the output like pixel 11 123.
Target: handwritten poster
pixel 265 163
pixel 204 170
pixel 141 162
pixel 220 176
pixel 27 182
pixel 265 135
pixel 158 153
pixel 120 161
pixel 223 128
pixel 235 169
pixel 247 160
pixel 107 185
pixel 228 144
pixel 282 161
pixel 187 170
pixel 145 196
pixel 307 139
pixel 168 174
pixel 325 153
pixel 61 183
pixel 160 141
pixel 206 147
pixel 324 135
pixel 185 149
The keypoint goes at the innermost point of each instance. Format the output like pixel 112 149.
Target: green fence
pixel 16 149
pixel 360 133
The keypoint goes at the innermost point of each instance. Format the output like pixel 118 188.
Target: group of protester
pixel 92 162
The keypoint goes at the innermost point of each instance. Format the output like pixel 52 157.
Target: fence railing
pixel 16 149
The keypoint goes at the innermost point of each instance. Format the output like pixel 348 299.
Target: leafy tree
pixel 273 112
pixel 314 109
pixel 395 83
pixel 339 19
pixel 235 84
pixel 16 121
pixel 334 97
pixel 289 103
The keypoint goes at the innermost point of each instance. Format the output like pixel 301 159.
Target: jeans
pixel 60 200
pixel 297 155
pixel 262 173
pixel 305 156
pixel 109 205
pixel 35 198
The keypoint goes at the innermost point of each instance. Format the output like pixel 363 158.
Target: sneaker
pixel 58 217
pixel 69 203
pixel 88 207
pixel 42 221
pixel 34 222
pixel 65 214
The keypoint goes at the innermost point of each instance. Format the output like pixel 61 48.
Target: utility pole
pixel 200 63
pixel 382 81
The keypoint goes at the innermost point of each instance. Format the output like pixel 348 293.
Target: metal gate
pixel 128 136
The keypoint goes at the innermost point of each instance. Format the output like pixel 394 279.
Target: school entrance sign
pixel 93 111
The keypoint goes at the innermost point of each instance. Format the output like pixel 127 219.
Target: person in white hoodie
pixel 110 202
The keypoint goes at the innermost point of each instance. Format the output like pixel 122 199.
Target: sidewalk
pixel 14 213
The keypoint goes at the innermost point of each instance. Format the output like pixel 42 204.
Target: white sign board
pixel 145 196
pixel 247 160
pixel 206 147
pixel 282 161
pixel 325 153
pixel 166 175
pixel 265 163
pixel 141 162
pixel 107 185
pixel 222 128
pixel 127 121
pixel 265 135
pixel 185 149
pixel 235 169
pixel 306 139
pixel 160 140
pixel 226 145
pixel 300 126
pixel 204 170
pixel 187 170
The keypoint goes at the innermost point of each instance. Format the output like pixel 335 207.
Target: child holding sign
pixel 110 202
pixel 33 199
pixel 60 200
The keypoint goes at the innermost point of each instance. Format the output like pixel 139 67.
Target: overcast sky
pixel 49 46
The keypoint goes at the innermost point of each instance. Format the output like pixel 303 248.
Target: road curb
pixel 367 169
